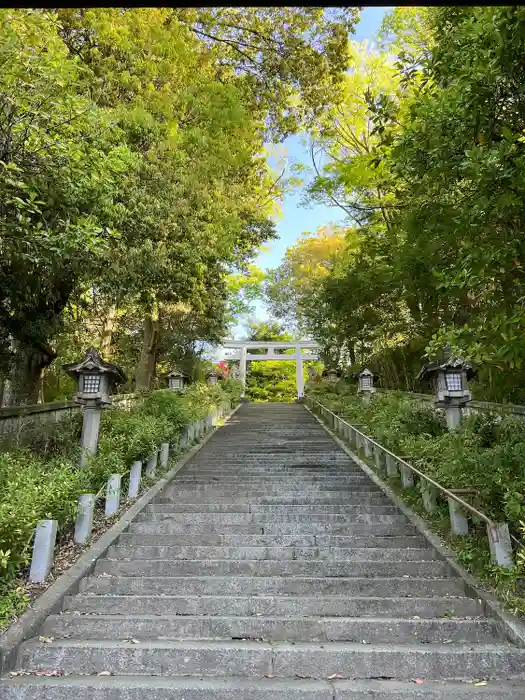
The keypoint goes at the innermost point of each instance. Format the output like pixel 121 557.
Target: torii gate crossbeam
pixel 271 346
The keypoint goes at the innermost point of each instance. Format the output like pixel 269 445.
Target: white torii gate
pixel 242 346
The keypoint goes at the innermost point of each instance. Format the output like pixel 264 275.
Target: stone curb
pixel 512 627
pixel 51 599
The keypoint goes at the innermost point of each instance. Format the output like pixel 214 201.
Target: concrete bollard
pixel 43 550
pixel 458 519
pixel 378 457
pixel 429 496
pixel 500 545
pixel 113 495
pixel 164 454
pixel 391 466
pixel 134 479
pixel 151 464
pixel 407 477
pixel 84 519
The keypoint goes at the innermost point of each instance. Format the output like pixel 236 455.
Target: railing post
pixel 458 519
pixel 113 495
pixel 151 464
pixel 43 550
pixel 378 454
pixel 368 447
pixel 134 479
pixel 407 476
pixel 429 496
pixel 84 518
pixel 164 454
pixel 391 466
pixel 500 544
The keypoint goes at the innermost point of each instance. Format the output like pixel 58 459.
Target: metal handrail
pixel 428 479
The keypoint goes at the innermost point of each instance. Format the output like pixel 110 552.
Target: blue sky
pixel 295 219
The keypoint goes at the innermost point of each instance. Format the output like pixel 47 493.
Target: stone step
pixel 268 489
pixel 188 688
pixel 281 659
pixel 340 509
pixel 173 527
pixel 273 585
pixel 335 554
pixel 278 479
pixel 262 567
pixel 234 540
pixel 218 519
pixel 333 606
pixel 349 499
pixel 292 628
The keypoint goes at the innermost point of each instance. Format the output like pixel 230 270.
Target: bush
pixel 487 453
pixel 45 483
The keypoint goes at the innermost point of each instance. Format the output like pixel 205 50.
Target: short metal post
pixel 391 466
pixel 113 495
pixel 151 464
pixel 164 454
pixel 134 479
pixel 43 550
pixel 407 476
pixel 458 519
pixel 500 545
pixel 84 518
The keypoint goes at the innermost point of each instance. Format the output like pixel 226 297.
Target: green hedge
pixel 487 453
pixel 46 482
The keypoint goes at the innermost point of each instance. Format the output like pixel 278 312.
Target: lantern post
pixel 95 380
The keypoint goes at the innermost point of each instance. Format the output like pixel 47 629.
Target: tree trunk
pixel 148 355
pixel 24 385
pixel 108 327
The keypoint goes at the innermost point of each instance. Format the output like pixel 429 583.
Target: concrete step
pixel 278 479
pixel 262 567
pixel 333 606
pixel 281 659
pixel 263 500
pixel 268 489
pixel 173 688
pixel 335 554
pixel 218 519
pixel 340 509
pixel 173 527
pixel 233 540
pixel 273 585
pixel 291 628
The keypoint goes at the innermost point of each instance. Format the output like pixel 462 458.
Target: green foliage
pixel 45 483
pixel 487 453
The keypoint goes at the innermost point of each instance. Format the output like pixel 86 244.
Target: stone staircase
pixel 269 568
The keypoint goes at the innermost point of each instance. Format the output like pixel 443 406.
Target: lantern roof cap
pixel 448 362
pixel 365 373
pixel 176 372
pixel 213 373
pixel 93 362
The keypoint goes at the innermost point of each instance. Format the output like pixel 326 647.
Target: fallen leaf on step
pixel 49 673
pixel 104 673
pixel 479 683
pixel 335 675
pixel 46 640
pixel 363 641
pixel 416 617
pixel 418 681
pixel 269 676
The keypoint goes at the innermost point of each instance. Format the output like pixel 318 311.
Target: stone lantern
pixel 212 378
pixel 95 380
pixel 365 386
pixel 450 379
pixel 176 380
pixel 332 375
